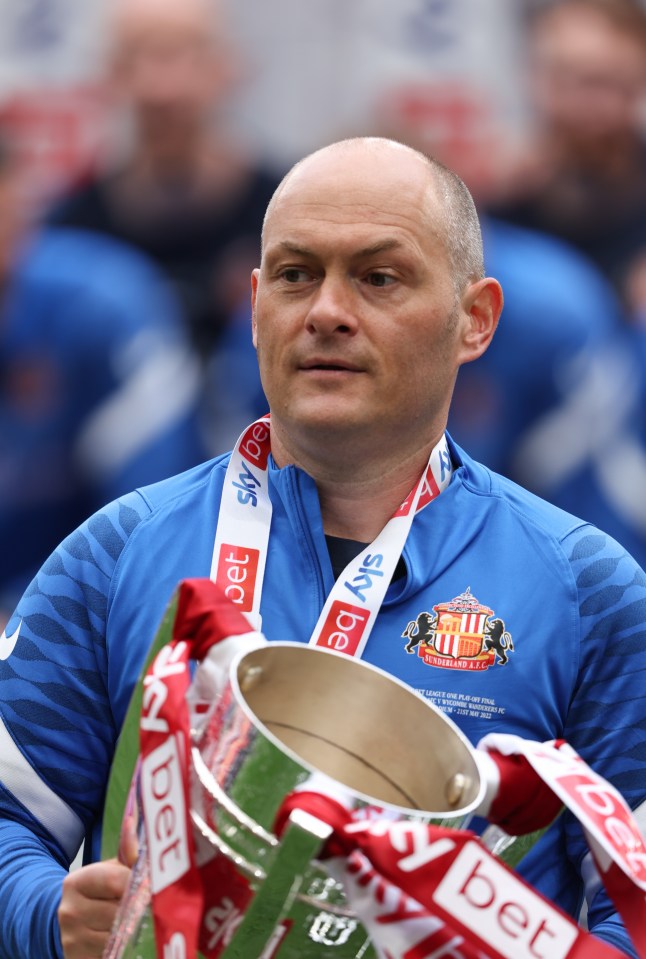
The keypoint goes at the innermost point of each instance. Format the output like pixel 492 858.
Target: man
pixel 177 187
pixel 581 177
pixel 565 371
pixel 369 297
pixel 98 388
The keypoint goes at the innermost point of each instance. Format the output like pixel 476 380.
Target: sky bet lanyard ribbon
pixel 242 538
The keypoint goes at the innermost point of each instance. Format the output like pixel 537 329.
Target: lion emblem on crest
pixel 420 630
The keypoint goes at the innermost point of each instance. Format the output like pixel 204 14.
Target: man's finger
pixel 100 880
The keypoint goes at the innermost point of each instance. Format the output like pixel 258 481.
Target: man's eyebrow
pixel 286 246
pixel 381 246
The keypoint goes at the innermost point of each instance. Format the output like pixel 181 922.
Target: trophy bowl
pixel 295 717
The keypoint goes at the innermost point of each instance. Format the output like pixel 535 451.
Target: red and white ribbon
pixel 425 892
pixel 421 891
pixel 204 617
pixel 615 840
pixel 242 539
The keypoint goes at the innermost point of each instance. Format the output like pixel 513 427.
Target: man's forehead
pixel 358 185
pixel 311 245
pixel 345 197
pixel 346 171
pixel 133 20
pixel 354 230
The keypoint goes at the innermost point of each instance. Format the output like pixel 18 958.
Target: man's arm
pixel 30 879
pixel 607 717
pixel 57 735
pixel 75 910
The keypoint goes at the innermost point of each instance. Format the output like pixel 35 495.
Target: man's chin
pixel 319 423
pixel 323 416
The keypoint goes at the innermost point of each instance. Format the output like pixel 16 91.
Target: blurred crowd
pixel 125 344
pixel 559 402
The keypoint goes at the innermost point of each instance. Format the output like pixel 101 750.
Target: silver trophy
pixel 289 718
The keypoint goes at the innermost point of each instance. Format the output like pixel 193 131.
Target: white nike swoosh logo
pixel 7 643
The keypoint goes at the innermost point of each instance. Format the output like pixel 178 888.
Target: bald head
pixel 171 66
pixel 130 18
pixel 444 198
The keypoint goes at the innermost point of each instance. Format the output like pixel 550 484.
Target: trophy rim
pixel 447 816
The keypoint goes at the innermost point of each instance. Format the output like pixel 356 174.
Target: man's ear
pixel 254 292
pixel 482 304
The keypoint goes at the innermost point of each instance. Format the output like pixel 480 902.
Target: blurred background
pixel 140 141
pixel 298 75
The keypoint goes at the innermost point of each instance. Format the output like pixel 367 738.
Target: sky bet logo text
pixel 368 571
pixel 237 572
pixel 246 485
pixel 344 628
pixel 254 449
pixel 255 445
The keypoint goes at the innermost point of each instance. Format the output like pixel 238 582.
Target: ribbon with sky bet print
pixel 420 890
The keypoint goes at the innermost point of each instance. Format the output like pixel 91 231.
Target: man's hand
pixel 91 897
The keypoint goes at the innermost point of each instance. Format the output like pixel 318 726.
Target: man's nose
pixel 333 309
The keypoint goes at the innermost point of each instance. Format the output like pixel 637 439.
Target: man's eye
pixel 380 279
pixel 294 275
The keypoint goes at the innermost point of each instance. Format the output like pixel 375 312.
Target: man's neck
pixel 361 511
pixel 157 178
pixel 357 495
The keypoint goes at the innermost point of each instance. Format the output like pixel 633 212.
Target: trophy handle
pixel 301 842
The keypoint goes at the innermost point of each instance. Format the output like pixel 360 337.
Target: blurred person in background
pixel 582 175
pixel 179 188
pixel 581 180
pixel 560 397
pixel 558 402
pixel 98 388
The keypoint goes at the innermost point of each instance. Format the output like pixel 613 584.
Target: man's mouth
pixel 333 366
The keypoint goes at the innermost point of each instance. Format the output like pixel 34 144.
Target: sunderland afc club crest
pixel 460 634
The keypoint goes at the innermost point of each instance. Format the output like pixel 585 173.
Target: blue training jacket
pixel 571 600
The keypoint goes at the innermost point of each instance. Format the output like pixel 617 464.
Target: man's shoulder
pixel 182 490
pixel 600 574
pixel 515 500
pixel 165 503
pixel 80 576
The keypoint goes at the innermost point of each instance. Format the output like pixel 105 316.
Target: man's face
pixel 164 64
pixel 356 320
pixel 589 76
